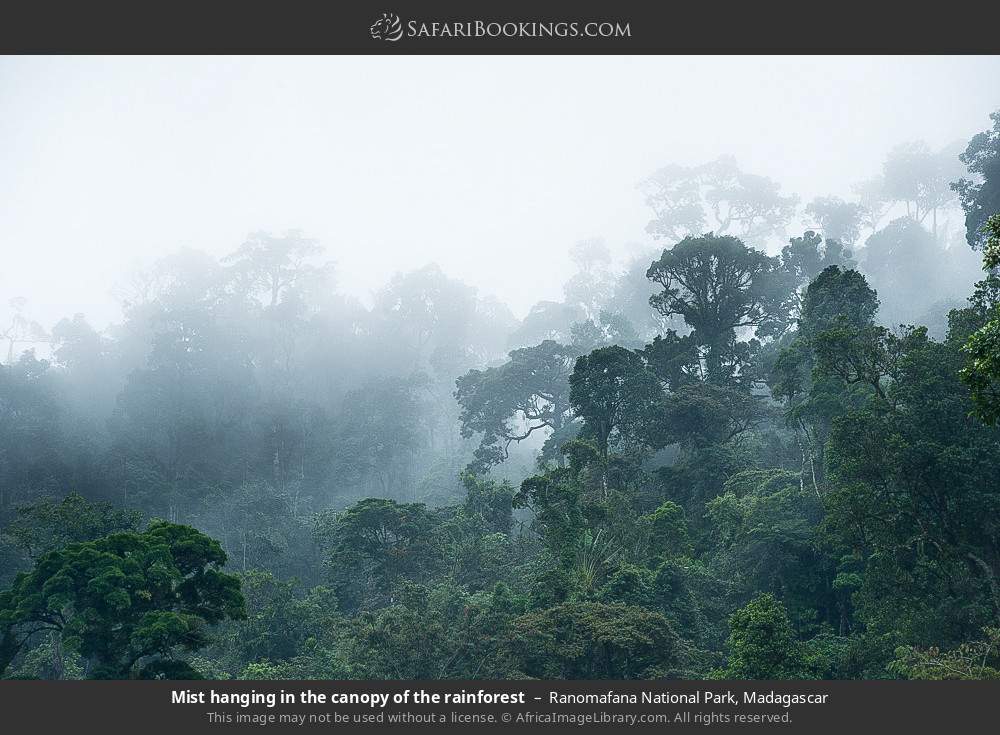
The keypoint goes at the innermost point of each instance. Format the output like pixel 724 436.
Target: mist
pixel 492 168
pixel 416 368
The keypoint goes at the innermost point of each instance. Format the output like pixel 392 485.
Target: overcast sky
pixel 491 166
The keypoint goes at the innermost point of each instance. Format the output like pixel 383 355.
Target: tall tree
pixel 719 285
pixel 835 299
pixel 980 196
pixel 806 256
pixel 273 265
pixel 509 403
pixel 836 219
pixel 374 545
pixel 591 285
pixel 982 372
pixel 127 601
pixel 873 201
pixel 921 179
pixel 684 198
pixel 22 330
pixel 615 394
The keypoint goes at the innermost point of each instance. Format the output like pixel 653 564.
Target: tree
pixel 982 372
pixel 907 267
pixel 836 219
pixel 806 256
pixel 590 287
pixel 257 525
pixel 556 499
pixel 548 320
pixel 438 632
pixel 674 359
pixel 868 355
pixel 719 285
pixel 762 531
pixel 614 393
pixel 47 525
pixel 275 265
pixel 921 178
pixel 682 199
pixel 872 200
pixel 490 502
pixel 762 644
pixel 837 295
pixel 980 197
pixel 813 397
pixel 279 621
pixel 606 329
pixel 592 640
pixel 975 660
pixel 22 329
pixel 434 323
pixel 125 600
pixel 76 346
pixel 375 544
pixel 674 193
pixel 914 495
pixel 382 431
pixel 509 403
pixel 39 448
pixel 668 531
pixel 630 300
pixel 703 414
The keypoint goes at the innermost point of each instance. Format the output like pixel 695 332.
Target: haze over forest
pixel 111 163
pixel 522 367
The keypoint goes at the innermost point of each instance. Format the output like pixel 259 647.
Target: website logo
pixel 387 28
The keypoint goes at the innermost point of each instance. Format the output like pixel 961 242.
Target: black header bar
pixel 446 27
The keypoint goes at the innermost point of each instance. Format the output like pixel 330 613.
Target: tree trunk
pixel 58 662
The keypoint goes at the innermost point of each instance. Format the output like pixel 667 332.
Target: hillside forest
pixel 764 446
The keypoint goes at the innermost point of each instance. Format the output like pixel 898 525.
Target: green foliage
pixel 490 502
pixel 592 640
pixel 980 195
pixel 668 531
pixel 509 403
pixel 915 499
pixel 982 372
pixel 615 394
pixel 375 544
pixel 124 600
pixel 782 482
pixel 556 500
pixel 762 644
pixel 47 525
pixel 440 632
pixel 718 285
pixel 763 530
pixel 837 297
pixel 972 660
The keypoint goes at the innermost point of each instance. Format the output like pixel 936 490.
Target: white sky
pixel 491 166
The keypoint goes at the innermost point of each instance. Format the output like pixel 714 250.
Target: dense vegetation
pixel 714 462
